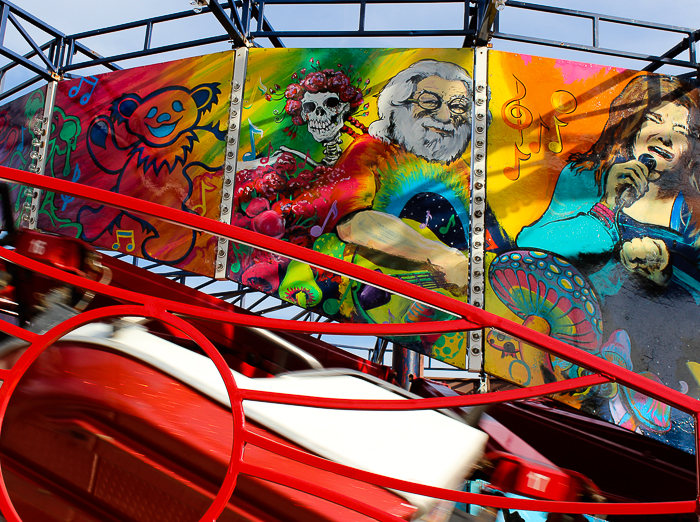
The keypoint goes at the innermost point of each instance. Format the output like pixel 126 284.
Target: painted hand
pixel 631 175
pixel 648 257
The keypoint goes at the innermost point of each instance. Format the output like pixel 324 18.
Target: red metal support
pixel 469 317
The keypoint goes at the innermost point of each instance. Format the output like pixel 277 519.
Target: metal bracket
pixel 240 66
pixel 41 129
pixel 477 280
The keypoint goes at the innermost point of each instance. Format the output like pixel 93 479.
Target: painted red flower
pixel 294 92
pixel 302 208
pixel 314 82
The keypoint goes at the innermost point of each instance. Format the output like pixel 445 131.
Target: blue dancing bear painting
pixel 363 155
pixel 593 188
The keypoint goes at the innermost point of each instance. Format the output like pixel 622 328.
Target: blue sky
pixel 72 16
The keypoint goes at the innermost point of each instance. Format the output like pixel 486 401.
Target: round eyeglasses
pixel 431 101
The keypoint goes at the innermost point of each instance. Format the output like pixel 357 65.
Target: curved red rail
pixel 468 317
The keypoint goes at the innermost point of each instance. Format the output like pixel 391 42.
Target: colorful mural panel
pixel 361 154
pixel 17 121
pixel 592 186
pixel 156 133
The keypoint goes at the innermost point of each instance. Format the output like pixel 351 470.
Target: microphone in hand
pixel 629 194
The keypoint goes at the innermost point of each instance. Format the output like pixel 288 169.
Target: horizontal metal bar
pixel 596 50
pixel 133 25
pixel 357 2
pixel 92 54
pixel 232 293
pixel 366 34
pixel 7 53
pixel 687 76
pixel 149 52
pixel 604 18
pixel 20 87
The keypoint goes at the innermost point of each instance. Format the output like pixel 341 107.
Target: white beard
pixel 424 142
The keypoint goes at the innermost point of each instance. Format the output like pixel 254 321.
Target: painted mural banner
pixel 157 133
pixel 361 154
pixel 18 120
pixel 593 193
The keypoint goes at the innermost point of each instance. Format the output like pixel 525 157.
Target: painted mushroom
pixel 552 297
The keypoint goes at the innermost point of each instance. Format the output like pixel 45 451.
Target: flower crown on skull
pixel 322 99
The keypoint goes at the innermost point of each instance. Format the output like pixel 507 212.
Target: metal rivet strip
pixel 232 138
pixel 41 129
pixel 478 200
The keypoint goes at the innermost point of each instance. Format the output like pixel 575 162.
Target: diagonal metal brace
pixel 235 34
pixel 486 17
pixel 677 49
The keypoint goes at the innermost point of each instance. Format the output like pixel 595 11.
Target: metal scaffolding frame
pixel 244 23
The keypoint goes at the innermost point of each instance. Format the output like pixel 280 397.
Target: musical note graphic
pixel 261 87
pixel 253 130
pixel 450 224
pixel 563 102
pixel 428 217
pixel 266 160
pixel 121 234
pixel 543 126
pixel 203 206
pixel 514 114
pixel 73 92
pixel 316 230
pixel 513 173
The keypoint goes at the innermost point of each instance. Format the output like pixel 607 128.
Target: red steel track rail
pixel 467 318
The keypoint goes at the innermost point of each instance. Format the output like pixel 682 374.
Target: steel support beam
pixel 235 33
pixel 677 49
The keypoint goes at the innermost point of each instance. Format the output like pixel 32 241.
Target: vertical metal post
pixel 240 66
pixel 261 14
pixel 691 48
pixel 245 15
pixel 3 22
pixel 477 279
pixel 61 52
pixel 71 53
pixel 147 39
pixel 379 349
pixel 406 364
pixel 363 10
pixel 41 129
pixel 467 14
pixel 596 31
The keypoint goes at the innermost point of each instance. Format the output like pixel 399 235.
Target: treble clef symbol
pixel 516 115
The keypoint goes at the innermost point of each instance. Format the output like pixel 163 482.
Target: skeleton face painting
pixel 325 113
